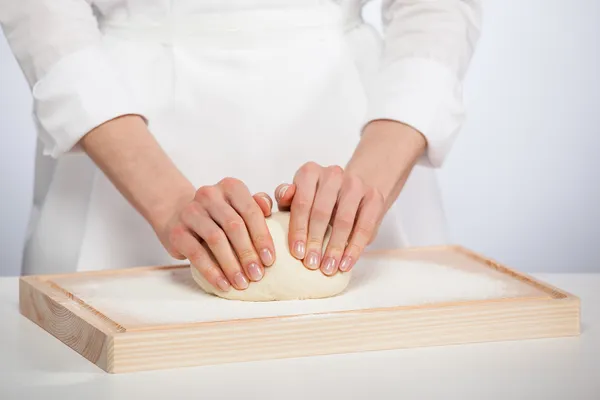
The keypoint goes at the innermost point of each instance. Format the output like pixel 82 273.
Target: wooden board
pixel 150 318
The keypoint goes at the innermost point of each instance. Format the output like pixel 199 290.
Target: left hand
pixel 320 196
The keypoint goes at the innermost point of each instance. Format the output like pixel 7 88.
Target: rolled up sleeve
pixel 428 45
pixel 75 86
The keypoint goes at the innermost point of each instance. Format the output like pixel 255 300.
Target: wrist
pixel 160 213
pixel 387 152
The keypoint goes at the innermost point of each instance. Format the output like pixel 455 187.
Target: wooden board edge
pixel 255 340
pixel 74 305
pixel 554 291
pixel 413 249
pixel 120 271
pixel 106 321
pixel 79 329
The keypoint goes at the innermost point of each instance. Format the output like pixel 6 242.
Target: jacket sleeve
pixel 428 45
pixel 75 87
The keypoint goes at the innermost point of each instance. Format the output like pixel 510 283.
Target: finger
pixel 264 202
pixel 189 246
pixel 343 222
pixel 330 183
pixel 197 218
pixel 239 239
pixel 366 224
pixel 284 195
pixel 238 195
pixel 306 180
pixel 267 255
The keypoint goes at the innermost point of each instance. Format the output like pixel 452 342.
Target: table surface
pixel 36 365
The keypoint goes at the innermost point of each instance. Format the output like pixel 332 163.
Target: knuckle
pixel 314 241
pixel 175 235
pixel 235 224
pixel 261 239
pixel 374 195
pixel 302 205
pixel 206 193
pixel 354 249
pixel 196 256
pixel 353 183
pixel 190 212
pixel 202 270
pixel 300 230
pixel 229 183
pixel 344 222
pixel 334 249
pixel 209 273
pixel 310 167
pixel 246 254
pixel 365 229
pixel 214 237
pixel 230 268
pixel 252 212
pixel 320 214
pixel 334 171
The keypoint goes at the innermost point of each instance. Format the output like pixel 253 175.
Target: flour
pixel 172 296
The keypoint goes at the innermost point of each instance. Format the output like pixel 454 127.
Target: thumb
pixel 284 194
pixel 264 202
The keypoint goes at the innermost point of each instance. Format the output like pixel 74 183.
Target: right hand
pixel 223 233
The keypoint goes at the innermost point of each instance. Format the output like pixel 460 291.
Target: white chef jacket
pixel 235 81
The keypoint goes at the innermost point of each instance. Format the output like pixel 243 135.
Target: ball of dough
pixel 287 278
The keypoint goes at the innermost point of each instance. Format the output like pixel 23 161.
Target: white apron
pixel 226 94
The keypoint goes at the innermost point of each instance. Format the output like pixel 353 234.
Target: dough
pixel 287 278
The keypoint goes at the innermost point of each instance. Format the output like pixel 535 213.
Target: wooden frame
pixel 116 348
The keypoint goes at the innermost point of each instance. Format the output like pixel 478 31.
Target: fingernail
pixel 299 249
pixel 266 256
pixel 240 280
pixel 223 284
pixel 267 199
pixel 329 266
pixel 346 264
pixel 255 272
pixel 282 191
pixel 312 261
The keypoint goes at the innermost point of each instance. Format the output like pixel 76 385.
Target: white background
pixel 522 183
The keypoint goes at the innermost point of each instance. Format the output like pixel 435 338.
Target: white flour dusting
pixel 171 296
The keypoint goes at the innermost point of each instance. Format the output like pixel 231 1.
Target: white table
pixel 34 364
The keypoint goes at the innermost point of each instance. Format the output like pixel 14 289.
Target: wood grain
pixel 83 331
pixel 305 336
pixel 116 349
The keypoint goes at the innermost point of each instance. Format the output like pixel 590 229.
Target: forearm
pixel 134 162
pixel 386 155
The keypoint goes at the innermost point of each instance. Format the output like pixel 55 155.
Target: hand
pixel 320 196
pixel 223 233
